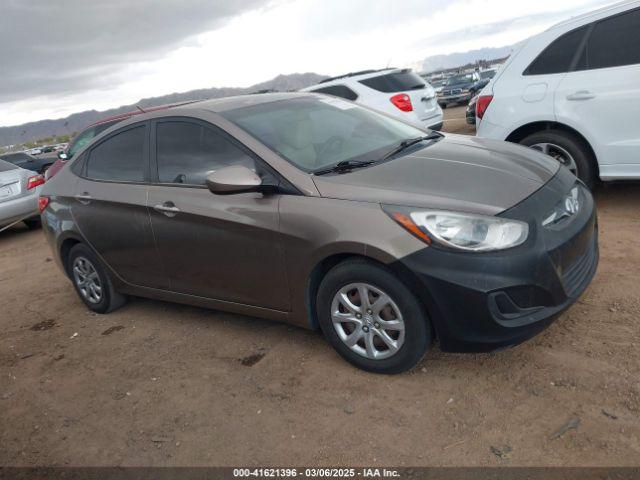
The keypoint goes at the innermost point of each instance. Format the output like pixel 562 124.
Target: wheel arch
pixel 65 248
pixel 408 278
pixel 527 129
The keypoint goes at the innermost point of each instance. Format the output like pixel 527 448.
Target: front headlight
pixel 461 231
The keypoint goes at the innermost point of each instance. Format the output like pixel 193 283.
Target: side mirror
pixel 233 179
pixel 63 156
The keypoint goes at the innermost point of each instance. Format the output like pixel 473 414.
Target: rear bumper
pixel 18 209
pixel 489 301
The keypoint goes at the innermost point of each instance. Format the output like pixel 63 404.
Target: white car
pixel 399 92
pixel 573 92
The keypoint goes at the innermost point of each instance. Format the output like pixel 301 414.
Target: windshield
pixel 85 137
pixel 315 132
pixel 465 78
pixel 488 74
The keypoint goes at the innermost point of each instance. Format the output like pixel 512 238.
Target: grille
pixel 574 276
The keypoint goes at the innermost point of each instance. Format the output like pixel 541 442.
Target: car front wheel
pixel 371 318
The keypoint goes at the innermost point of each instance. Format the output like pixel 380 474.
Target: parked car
pixel 485 78
pixel 320 212
pixel 19 192
pixel 93 130
pixel 33 151
pixel 399 92
pixel 573 92
pixel 28 162
pixel 438 85
pixel 470 113
pixel 457 89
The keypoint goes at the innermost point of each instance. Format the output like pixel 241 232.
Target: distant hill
pixel 452 60
pixel 77 121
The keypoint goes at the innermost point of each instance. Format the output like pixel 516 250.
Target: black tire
pixel 443 106
pixel 580 152
pixel 110 298
pixel 32 223
pixel 417 336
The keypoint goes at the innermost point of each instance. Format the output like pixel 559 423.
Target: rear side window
pixel 614 42
pixel 120 158
pixel 395 82
pixel 186 152
pixel 558 56
pixel 341 91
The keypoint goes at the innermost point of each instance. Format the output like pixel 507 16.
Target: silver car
pixel 19 190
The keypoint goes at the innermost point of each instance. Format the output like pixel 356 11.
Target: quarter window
pixel 338 91
pixel 186 152
pixel 120 158
pixel 558 56
pixel 614 42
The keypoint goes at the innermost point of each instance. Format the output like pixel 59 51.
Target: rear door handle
pixel 581 95
pixel 167 208
pixel 84 198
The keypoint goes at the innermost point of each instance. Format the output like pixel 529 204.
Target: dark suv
pixel 457 89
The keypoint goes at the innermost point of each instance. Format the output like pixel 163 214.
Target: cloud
pixel 73 45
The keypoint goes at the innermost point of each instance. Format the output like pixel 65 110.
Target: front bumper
pixel 451 99
pixel 488 301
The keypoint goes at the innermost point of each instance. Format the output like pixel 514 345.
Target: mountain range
pixel 73 123
pixel 452 60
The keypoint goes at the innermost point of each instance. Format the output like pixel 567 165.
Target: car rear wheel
pixel 567 149
pixel 91 281
pixel 371 318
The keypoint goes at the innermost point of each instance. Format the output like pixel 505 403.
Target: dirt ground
pixel 163 384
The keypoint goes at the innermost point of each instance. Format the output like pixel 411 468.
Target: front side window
pixel 119 158
pixel 558 56
pixel 341 91
pixel 315 132
pixel 614 42
pixel 186 152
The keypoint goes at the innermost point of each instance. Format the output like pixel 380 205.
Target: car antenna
pixel 140 108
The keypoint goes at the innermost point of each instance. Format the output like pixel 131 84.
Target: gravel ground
pixel 163 384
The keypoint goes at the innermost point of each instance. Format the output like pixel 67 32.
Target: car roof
pixel 224 104
pixel 140 111
pixel 598 13
pixel 356 76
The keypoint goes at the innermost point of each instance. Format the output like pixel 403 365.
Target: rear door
pixel 601 94
pixel 224 247
pixel 110 206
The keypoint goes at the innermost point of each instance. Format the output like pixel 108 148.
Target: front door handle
pixel 167 208
pixel 84 198
pixel 581 95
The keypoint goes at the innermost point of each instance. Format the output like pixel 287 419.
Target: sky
pixel 59 57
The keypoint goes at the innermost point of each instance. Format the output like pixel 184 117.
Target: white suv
pixel 399 92
pixel 573 92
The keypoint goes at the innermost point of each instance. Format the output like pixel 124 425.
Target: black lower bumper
pixel 489 301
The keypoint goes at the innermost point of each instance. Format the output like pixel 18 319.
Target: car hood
pixel 467 174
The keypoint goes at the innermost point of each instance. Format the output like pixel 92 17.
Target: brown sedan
pixel 315 211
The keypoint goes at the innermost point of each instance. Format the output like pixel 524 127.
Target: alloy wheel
pixel 559 153
pixel 368 321
pixel 87 280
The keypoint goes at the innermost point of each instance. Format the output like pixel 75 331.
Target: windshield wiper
pixel 411 141
pixel 344 166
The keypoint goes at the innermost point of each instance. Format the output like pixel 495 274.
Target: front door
pixel 224 247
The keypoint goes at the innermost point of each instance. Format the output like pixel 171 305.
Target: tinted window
pixel 557 57
pixel 85 137
pixel 395 82
pixel 17 158
pixel 119 158
pixel 615 42
pixel 338 91
pixel 186 152
pixel 6 166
